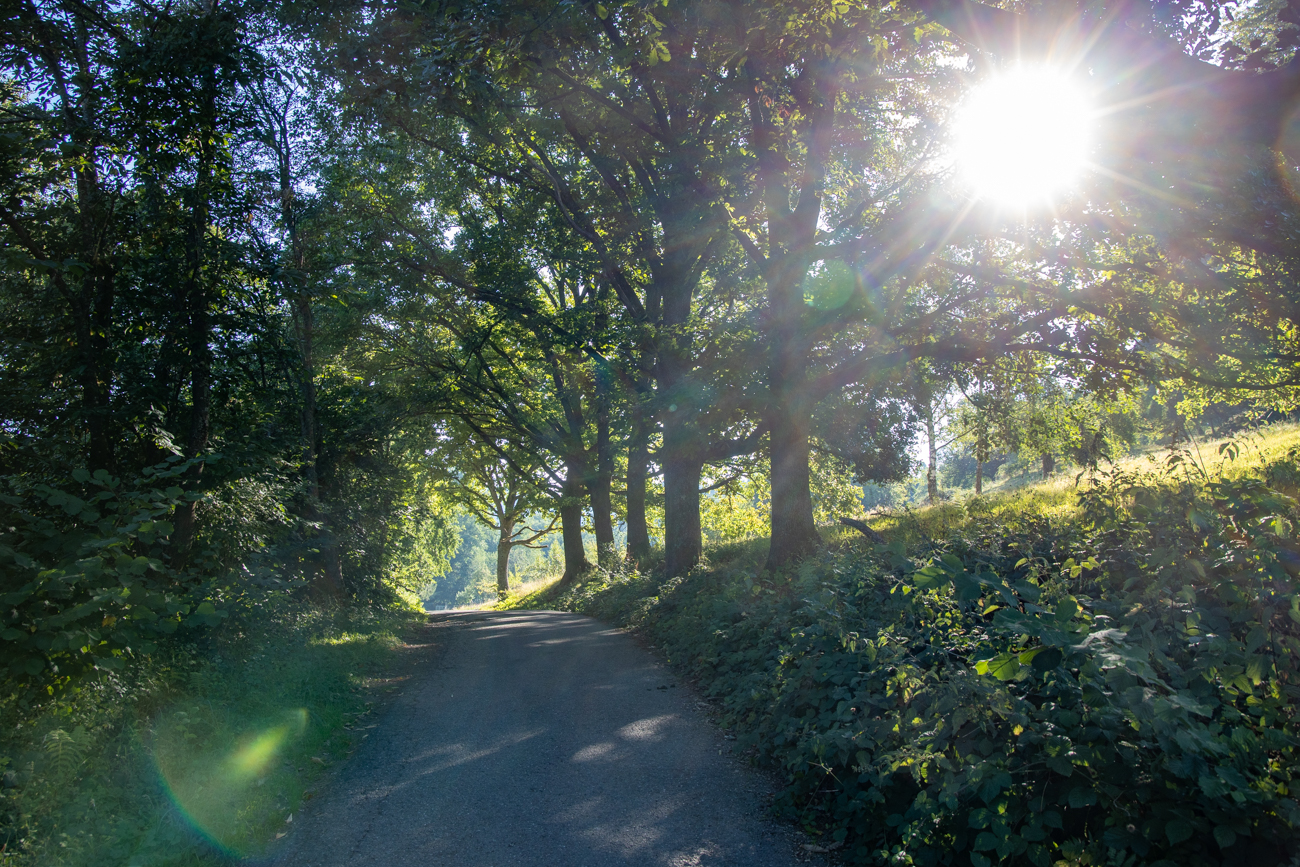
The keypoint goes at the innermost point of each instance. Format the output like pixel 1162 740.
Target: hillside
pixel 1043 676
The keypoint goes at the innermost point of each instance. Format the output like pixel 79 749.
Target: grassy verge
pixel 203 752
pixel 1039 678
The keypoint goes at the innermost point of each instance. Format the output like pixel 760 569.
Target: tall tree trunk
pixel 932 459
pixel 602 503
pixel 575 553
pixel 682 466
pixel 794 534
pixel 94 353
pixel 791 236
pixel 327 579
pixel 981 455
pixel 199 330
pixel 638 456
pixel 1049 465
pixel 683 541
pixel 504 544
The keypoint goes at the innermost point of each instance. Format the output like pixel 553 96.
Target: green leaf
pixel 1048 659
pixel 930 578
pixel 1178 831
pixel 1061 764
pixel 1004 666
pixel 1224 836
pixel 1082 796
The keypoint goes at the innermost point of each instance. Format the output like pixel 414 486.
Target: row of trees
pixel 635 239
pixel 593 260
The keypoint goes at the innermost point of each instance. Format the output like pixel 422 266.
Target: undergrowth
pixel 199 753
pixel 1111 681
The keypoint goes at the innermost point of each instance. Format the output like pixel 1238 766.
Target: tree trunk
pixel 1049 465
pixel 199 331
pixel 330 588
pixel 93 325
pixel 602 504
pixel 504 544
pixel 683 542
pixel 981 457
pixel 794 533
pixel 638 532
pixel 932 460
pixel 575 553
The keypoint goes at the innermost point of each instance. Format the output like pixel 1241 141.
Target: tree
pixel 497 490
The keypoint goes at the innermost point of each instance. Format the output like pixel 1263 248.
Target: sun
pixel 1022 137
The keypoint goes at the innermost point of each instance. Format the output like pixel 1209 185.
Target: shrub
pixel 84 582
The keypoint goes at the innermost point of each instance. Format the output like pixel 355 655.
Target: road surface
pixel 539 739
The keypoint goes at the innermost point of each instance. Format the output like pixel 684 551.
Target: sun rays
pixel 1023 137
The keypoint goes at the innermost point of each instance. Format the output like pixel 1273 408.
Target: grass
pixel 204 752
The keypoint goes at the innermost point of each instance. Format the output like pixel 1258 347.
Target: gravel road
pixel 539 738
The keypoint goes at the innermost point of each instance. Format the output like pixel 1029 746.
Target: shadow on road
pixel 540 738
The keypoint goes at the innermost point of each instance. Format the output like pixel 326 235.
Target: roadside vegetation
pixel 203 752
pixel 1048 676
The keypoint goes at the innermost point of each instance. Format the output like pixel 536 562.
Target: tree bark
pixel 681 462
pixel 575 553
pixel 683 542
pixel 794 534
pixel 93 326
pixel 638 531
pixel 1049 465
pixel 981 457
pixel 932 459
pixel 199 330
pixel 789 417
pixel 504 544
pixel 602 503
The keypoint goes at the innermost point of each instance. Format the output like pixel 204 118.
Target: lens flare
pixel 217 787
pixel 1024 136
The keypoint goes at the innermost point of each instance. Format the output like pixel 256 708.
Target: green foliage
pixel 1118 685
pixel 199 753
pixel 83 577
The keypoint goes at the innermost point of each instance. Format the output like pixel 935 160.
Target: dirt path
pixel 540 738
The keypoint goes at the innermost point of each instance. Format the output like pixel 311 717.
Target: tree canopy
pixel 310 280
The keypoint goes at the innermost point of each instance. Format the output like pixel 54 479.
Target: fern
pixel 66 752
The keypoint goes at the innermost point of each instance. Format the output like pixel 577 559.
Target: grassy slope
pixel 203 753
pixel 784 658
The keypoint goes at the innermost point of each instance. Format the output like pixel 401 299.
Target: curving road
pixel 539 739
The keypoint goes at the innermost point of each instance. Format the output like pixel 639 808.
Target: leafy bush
pixel 1118 687
pixel 84 580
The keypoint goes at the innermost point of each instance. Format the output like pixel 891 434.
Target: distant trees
pixel 496 487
